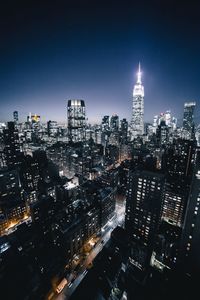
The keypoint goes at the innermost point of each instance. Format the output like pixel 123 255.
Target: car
pixel 70 284
pixel 85 272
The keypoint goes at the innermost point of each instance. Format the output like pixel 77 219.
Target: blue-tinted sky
pixel 51 51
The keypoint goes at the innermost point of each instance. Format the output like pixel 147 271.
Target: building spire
pixel 139 75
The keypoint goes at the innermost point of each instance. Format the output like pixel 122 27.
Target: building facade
pixel 143 213
pixel 191 229
pixel 76 120
pixel 137 121
pixel 11 145
pixel 188 119
pixel 178 165
pixel 15 116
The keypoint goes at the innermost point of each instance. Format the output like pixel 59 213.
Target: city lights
pixel 99 150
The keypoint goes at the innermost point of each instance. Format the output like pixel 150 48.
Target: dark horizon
pixel 54 52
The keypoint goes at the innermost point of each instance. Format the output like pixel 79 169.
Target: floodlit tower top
pixel 139 75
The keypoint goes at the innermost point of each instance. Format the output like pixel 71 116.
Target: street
pixel 118 219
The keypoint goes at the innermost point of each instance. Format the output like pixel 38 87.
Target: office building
pixel 188 120
pixel 162 134
pixel 12 146
pixel 105 124
pixel 15 116
pixel 123 131
pixel 137 120
pixel 76 120
pixel 143 214
pixel 177 163
pixel 190 246
pixel 52 128
pixel 114 123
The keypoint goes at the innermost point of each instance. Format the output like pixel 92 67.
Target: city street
pixel 118 219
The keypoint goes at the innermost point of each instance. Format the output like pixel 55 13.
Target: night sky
pixel 51 51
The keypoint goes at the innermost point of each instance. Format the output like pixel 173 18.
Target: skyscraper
pixel 188 119
pixel 105 127
pixel 177 163
pixel 123 131
pixel 52 128
pixel 76 120
pixel 162 134
pixel 191 229
pixel 105 124
pixel 12 145
pixel 137 121
pixel 114 123
pixel 15 116
pixel 143 213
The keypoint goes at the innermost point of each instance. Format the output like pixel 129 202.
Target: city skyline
pixel 44 118
pixel 45 62
pixel 99 150
pixel 90 116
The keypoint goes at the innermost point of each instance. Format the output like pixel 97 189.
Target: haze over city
pixel 86 50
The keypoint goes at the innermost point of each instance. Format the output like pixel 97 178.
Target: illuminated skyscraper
pixel 191 229
pixel 76 120
pixel 114 123
pixel 137 121
pixel 177 164
pixel 52 128
pixel 105 124
pixel 188 119
pixel 123 131
pixel 162 134
pixel 143 213
pixel 11 145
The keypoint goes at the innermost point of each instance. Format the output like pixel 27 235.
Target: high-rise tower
pixel 177 164
pixel 114 123
pixel 191 229
pixel 137 121
pixel 15 116
pixel 12 145
pixel 188 120
pixel 143 213
pixel 76 120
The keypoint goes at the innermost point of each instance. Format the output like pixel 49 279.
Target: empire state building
pixel 137 121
